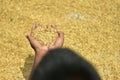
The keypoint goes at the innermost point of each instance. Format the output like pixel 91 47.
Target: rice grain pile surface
pixel 91 28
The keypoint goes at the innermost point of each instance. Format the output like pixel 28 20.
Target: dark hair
pixel 64 64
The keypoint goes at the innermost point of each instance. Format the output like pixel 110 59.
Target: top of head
pixel 64 64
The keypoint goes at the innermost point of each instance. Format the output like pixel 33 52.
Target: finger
pixel 30 39
pixel 33 42
pixel 27 38
pixel 60 34
pixel 40 25
pixel 47 26
pixel 54 26
pixel 33 28
pixel 58 44
pixel 59 40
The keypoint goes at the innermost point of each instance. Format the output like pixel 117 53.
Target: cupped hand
pixel 41 49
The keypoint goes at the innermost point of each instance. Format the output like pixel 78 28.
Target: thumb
pixel 29 38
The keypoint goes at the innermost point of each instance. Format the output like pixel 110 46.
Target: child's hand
pixel 41 49
pixel 59 40
pixel 38 47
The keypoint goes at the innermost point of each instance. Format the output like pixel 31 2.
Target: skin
pixel 40 49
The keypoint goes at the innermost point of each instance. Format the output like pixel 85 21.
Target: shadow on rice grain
pixel 27 67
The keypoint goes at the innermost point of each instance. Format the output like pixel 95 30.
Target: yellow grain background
pixel 91 27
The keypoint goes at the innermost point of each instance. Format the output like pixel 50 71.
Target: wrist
pixel 40 53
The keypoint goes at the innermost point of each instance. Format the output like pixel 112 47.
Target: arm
pixel 37 60
pixel 41 50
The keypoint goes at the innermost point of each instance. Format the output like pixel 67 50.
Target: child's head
pixel 64 64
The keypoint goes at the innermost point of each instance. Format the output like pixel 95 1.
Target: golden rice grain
pixel 91 28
